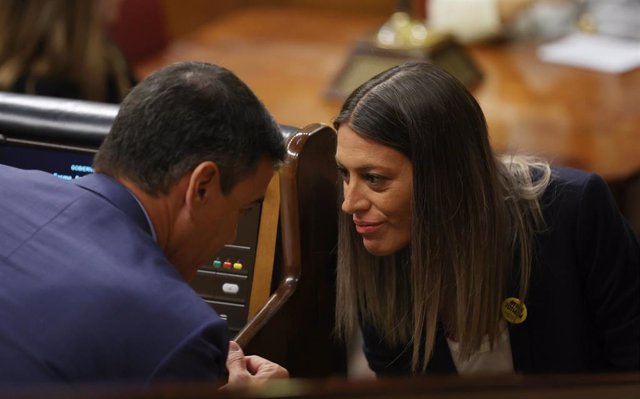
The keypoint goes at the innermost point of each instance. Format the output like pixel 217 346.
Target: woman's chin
pixel 376 249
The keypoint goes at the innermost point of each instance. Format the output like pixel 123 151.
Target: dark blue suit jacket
pixel 87 295
pixel 584 297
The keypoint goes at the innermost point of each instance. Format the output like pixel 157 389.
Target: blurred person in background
pixel 478 20
pixel 59 48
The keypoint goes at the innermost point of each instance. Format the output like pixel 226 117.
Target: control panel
pixel 225 282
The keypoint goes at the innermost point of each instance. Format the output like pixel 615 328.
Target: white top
pixel 486 360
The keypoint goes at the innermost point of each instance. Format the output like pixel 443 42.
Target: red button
pixel 226 265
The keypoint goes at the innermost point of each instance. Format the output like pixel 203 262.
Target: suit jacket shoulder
pixel 87 293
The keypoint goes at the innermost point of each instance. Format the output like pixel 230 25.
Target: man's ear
pixel 204 185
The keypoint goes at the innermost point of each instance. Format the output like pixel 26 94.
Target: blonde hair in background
pixel 58 39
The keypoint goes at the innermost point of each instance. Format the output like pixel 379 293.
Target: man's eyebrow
pixel 257 202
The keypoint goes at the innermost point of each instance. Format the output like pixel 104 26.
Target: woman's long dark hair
pixel 473 216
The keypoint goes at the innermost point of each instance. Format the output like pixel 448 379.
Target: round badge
pixel 514 310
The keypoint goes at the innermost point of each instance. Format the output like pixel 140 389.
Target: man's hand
pixel 250 370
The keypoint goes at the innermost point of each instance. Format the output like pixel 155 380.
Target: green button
pixel 217 263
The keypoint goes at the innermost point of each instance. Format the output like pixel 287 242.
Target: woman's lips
pixel 366 228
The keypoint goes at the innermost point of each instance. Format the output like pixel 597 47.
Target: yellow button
pixel 237 266
pixel 514 310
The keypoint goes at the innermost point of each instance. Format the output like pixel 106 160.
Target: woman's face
pixel 377 183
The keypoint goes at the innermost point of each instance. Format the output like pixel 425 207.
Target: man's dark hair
pixel 185 114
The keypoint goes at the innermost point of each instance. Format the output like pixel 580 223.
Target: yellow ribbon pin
pixel 514 310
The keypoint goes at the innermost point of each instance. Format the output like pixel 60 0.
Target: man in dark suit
pixel 94 272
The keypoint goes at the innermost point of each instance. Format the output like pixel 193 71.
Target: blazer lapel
pixel 521 349
pixel 520 334
pixel 441 361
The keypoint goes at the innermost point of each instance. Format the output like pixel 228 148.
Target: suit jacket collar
pixel 441 361
pixel 116 194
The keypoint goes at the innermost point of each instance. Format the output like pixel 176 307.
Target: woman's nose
pixel 353 201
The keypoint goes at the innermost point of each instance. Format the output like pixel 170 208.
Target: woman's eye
pixel 343 174
pixel 373 179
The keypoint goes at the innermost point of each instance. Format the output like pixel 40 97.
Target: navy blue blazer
pixel 584 297
pixel 87 295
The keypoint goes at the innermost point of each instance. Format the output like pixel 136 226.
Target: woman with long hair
pixel 452 259
pixel 59 48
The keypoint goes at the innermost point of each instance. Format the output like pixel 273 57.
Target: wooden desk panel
pixel 576 117
pixel 289 56
pixel 550 386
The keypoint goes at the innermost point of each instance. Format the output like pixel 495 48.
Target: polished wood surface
pixel 578 386
pixel 295 201
pixel 575 117
pixel 266 248
pixel 289 56
pixel 295 327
